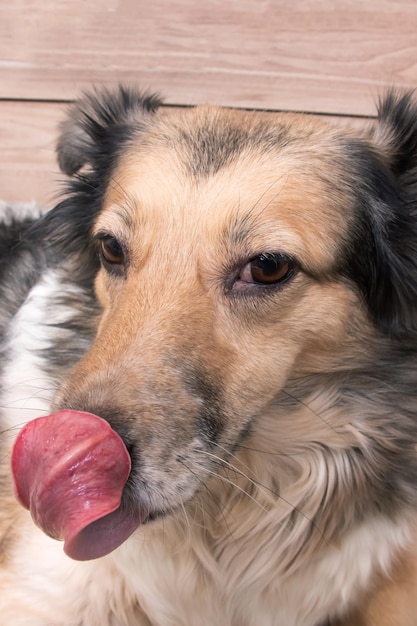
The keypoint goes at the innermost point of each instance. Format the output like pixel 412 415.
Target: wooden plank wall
pixel 328 57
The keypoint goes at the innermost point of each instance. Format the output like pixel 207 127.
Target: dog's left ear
pixel 383 257
pixel 98 124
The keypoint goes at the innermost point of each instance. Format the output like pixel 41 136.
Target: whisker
pixel 309 408
pixel 264 489
pixel 14 407
pixel 236 486
pixel 214 499
pixel 269 452
pixel 12 428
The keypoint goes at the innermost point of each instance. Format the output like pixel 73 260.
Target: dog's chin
pixel 152 508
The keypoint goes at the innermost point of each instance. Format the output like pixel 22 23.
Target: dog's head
pixel 238 251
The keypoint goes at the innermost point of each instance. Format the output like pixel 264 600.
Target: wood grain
pixel 311 55
pixel 28 170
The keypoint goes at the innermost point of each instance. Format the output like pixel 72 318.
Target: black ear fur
pixel 97 123
pixel 97 128
pixel 383 261
pixel 397 131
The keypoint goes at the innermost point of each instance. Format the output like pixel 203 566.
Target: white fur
pixel 28 391
pixel 19 211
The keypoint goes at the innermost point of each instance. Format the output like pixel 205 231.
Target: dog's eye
pixel 111 250
pixel 267 269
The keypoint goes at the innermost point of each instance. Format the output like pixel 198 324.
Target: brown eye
pixel 111 251
pixel 267 269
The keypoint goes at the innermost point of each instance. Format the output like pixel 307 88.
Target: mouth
pixel 70 471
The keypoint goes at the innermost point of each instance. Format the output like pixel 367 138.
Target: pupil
pixel 268 266
pixel 112 251
pixel 114 247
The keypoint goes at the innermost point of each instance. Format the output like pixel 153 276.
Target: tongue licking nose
pixel 69 470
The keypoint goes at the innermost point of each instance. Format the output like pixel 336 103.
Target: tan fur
pixel 236 557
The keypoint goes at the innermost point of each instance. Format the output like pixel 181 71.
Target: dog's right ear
pixel 97 128
pixel 99 124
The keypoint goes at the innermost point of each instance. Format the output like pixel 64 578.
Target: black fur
pixel 381 255
pixel 99 125
pixel 22 261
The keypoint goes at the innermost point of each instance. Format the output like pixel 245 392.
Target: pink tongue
pixel 69 470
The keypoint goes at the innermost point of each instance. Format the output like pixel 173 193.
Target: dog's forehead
pixel 252 175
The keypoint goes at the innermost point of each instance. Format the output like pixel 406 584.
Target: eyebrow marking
pixel 241 228
pixel 116 220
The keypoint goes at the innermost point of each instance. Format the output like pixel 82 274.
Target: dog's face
pixel 237 254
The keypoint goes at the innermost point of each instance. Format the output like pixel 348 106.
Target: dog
pixel 229 300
